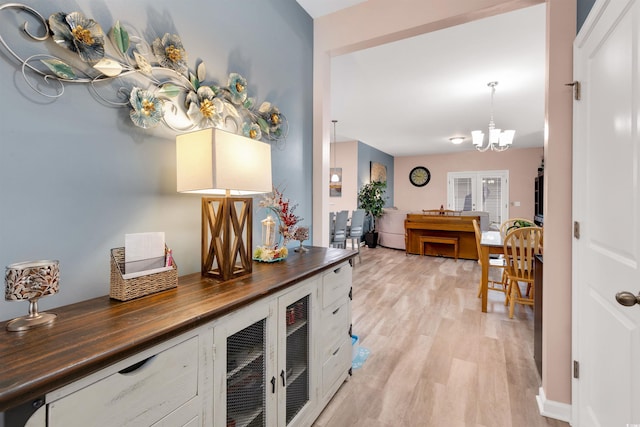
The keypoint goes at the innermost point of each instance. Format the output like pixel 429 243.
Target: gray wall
pixel 368 154
pixel 76 175
pixel 584 7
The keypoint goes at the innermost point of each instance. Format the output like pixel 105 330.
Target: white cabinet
pixel 335 337
pixel 263 369
pixel 295 368
pixel 158 387
pixel 274 362
pixel 240 367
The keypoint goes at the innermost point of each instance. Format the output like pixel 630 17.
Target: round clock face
pixel 419 176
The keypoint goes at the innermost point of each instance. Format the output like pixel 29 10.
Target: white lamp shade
pixel 494 136
pixel 506 138
pixel 212 161
pixel 478 137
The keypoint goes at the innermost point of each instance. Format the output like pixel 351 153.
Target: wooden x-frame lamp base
pixel 226 236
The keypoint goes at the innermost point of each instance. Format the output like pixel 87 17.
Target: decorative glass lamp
pixel 29 281
pixel 225 165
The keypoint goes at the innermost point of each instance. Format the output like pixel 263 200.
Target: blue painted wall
pixel 584 7
pixel 76 175
pixel 368 154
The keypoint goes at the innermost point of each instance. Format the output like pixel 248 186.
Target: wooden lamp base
pixel 226 236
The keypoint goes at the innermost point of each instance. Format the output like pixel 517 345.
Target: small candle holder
pixel 301 234
pixel 31 281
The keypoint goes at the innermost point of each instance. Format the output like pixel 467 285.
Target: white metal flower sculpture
pixel 159 87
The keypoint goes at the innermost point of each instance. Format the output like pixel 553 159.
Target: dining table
pixel 491 242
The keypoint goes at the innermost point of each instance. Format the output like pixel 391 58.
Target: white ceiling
pixel 409 97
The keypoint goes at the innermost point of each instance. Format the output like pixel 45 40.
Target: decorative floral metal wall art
pixel 152 80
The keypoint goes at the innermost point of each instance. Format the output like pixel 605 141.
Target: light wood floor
pixel 436 360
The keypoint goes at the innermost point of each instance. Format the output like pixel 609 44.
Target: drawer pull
pixel 336 352
pixel 337 270
pixel 135 366
pixel 336 310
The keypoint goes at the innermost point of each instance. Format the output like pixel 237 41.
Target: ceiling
pixel 409 97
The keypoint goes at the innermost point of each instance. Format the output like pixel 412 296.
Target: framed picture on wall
pixel 378 172
pixel 335 187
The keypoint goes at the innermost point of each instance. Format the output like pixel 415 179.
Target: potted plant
pixel 371 199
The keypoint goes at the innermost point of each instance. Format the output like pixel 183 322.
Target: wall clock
pixel 419 176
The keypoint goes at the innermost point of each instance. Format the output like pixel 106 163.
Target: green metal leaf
pixel 249 103
pixel 194 81
pixel 264 126
pixel 119 37
pixel 169 90
pixel 60 69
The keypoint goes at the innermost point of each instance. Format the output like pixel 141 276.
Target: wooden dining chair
pixel 521 245
pixel 495 263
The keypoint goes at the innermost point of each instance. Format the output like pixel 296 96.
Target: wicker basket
pixel 127 289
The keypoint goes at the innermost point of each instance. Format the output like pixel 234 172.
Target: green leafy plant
pixel 371 199
pixel 520 223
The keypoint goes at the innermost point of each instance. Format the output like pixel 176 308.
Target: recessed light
pixel 457 139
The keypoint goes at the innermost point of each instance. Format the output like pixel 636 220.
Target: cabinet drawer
pixel 336 283
pixel 141 394
pixel 337 365
pixel 335 327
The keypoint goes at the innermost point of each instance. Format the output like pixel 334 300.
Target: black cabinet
pixel 537 317
pixel 538 216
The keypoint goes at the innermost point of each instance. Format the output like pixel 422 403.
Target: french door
pixel 486 191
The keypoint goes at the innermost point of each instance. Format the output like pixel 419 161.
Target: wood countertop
pixel 93 334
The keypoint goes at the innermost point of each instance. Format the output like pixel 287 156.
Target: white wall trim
pixel 551 409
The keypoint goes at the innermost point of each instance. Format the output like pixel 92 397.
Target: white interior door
pixel 606 203
pixel 486 191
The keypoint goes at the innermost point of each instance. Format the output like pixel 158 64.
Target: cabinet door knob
pixel 273 385
pixel 284 381
pixel 627 299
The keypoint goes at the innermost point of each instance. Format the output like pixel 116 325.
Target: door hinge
pixel 576 229
pixel 576 89
pixel 576 369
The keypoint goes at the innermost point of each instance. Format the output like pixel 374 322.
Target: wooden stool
pixel 442 240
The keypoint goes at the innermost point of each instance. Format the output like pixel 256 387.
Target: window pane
pixel 492 198
pixel 462 194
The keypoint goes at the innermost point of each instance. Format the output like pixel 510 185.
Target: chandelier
pixel 498 140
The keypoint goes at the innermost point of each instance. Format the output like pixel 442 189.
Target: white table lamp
pixel 216 162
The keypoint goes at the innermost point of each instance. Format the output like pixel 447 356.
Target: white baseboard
pixel 551 409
